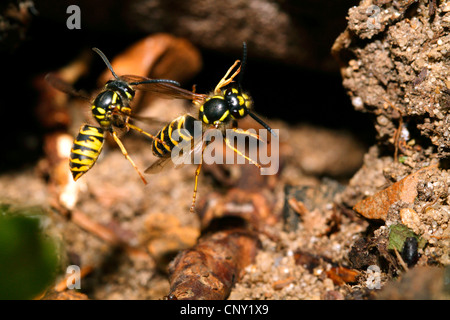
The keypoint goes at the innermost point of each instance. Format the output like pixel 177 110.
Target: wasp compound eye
pixel 238 112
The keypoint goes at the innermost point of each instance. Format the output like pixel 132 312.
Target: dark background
pixel 302 85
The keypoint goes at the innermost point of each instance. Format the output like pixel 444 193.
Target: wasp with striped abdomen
pixel 219 110
pixel 111 109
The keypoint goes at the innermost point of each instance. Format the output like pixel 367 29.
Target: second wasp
pixel 221 110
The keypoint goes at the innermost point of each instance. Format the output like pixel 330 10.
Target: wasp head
pixel 238 103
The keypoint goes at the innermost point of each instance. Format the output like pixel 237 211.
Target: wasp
pixel 218 110
pixel 112 111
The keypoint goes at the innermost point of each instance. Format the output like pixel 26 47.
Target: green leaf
pixel 398 234
pixel 29 260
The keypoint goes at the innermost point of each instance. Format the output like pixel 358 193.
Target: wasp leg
pixel 125 153
pixel 224 81
pixel 241 131
pixel 131 126
pixel 229 145
pixel 197 173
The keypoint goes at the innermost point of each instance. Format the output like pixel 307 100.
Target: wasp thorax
pixel 107 99
pixel 215 109
pixel 104 105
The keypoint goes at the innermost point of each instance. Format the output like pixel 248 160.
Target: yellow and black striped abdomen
pixel 182 128
pixel 85 150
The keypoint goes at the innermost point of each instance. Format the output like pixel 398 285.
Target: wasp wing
pixel 160 165
pixel 148 120
pixel 58 83
pixel 186 152
pixel 163 88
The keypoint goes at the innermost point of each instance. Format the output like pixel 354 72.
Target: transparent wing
pixel 148 120
pixel 160 165
pixel 186 153
pixel 162 88
pixel 64 86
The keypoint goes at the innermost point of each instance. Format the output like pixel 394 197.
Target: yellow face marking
pixel 202 108
pixel 241 100
pixel 234 90
pixel 241 112
pixel 205 119
pixel 248 101
pixel 129 96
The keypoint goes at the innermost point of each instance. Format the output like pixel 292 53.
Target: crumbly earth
pixel 155 218
pixel 393 63
pixel 145 215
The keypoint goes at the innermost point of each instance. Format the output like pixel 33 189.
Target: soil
pixel 119 200
pixel 394 68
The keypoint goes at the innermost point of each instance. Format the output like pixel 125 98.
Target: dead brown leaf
pixel 377 206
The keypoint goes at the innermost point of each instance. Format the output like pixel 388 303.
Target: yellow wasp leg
pixel 241 131
pixel 197 173
pixel 125 153
pixel 229 145
pixel 224 81
pixel 131 126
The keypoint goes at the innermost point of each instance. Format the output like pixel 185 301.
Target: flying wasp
pixel 111 109
pixel 218 110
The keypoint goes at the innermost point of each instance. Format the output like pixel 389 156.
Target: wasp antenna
pixel 265 125
pixel 106 61
pixel 243 63
pixel 156 81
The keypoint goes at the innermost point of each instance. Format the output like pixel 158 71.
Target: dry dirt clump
pixel 395 67
pixel 393 58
